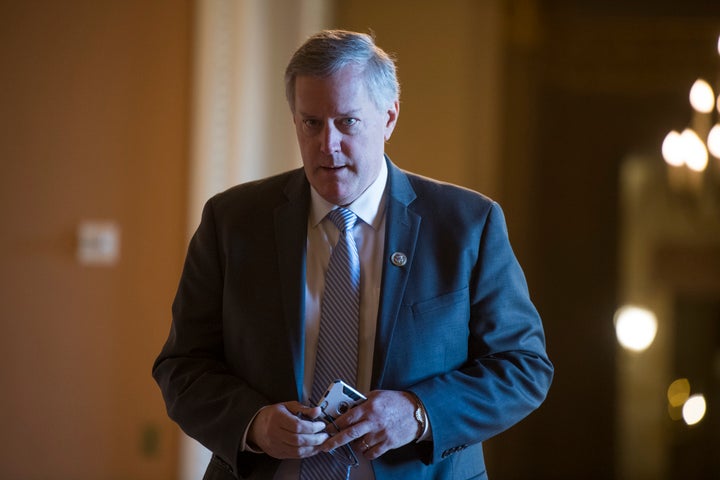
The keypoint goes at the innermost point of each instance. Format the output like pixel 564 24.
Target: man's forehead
pixel 338 115
pixel 340 94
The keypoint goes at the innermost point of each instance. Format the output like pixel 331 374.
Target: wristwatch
pixel 420 416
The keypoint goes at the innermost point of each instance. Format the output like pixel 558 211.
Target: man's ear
pixel 392 116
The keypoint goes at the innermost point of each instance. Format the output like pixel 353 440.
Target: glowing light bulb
pixel 713 141
pixel 702 97
pixel 694 409
pixel 672 149
pixel 635 327
pixel 694 152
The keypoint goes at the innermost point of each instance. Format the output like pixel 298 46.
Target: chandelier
pixel 688 153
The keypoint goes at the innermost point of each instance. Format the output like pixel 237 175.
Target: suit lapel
pixel 401 230
pixel 291 234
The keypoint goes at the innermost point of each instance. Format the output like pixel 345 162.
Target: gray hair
pixel 328 51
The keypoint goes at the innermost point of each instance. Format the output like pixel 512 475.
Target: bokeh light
pixel 713 141
pixel 702 97
pixel 694 151
pixel 678 392
pixel 694 409
pixel 672 149
pixel 635 327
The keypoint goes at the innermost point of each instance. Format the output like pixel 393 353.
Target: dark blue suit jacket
pixel 455 325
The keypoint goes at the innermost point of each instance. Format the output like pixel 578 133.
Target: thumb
pixel 310 413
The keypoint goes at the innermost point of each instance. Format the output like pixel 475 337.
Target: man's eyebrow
pixel 351 113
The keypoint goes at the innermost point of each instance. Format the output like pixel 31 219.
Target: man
pixel 450 350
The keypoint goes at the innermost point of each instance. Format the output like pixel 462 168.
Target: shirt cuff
pixel 246 446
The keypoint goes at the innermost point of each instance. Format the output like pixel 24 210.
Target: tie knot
pixel 343 218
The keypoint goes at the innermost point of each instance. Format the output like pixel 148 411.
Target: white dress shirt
pixel 369 234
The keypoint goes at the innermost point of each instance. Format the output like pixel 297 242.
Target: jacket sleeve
pixel 202 395
pixel 507 373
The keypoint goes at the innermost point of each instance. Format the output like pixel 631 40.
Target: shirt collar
pixel 369 206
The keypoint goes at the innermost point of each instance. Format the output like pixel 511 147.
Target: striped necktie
pixel 337 350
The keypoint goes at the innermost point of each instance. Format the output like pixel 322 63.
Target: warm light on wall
pixel 635 327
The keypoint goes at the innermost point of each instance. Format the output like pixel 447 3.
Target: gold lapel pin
pixel 398 259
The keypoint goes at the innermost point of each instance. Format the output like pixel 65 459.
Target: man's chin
pixel 334 195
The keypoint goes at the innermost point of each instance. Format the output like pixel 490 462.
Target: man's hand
pixel 284 431
pixel 384 421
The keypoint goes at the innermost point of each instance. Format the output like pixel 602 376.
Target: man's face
pixel 341 133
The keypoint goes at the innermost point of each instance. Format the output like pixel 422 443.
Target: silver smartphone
pixel 338 399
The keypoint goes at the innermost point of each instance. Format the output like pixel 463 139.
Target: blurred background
pixel 118 118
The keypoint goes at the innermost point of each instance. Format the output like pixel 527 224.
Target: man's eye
pixel 349 122
pixel 311 123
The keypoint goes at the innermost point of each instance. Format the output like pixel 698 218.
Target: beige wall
pixel 450 66
pixel 93 125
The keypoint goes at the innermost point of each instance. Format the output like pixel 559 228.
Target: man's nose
pixel 330 139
